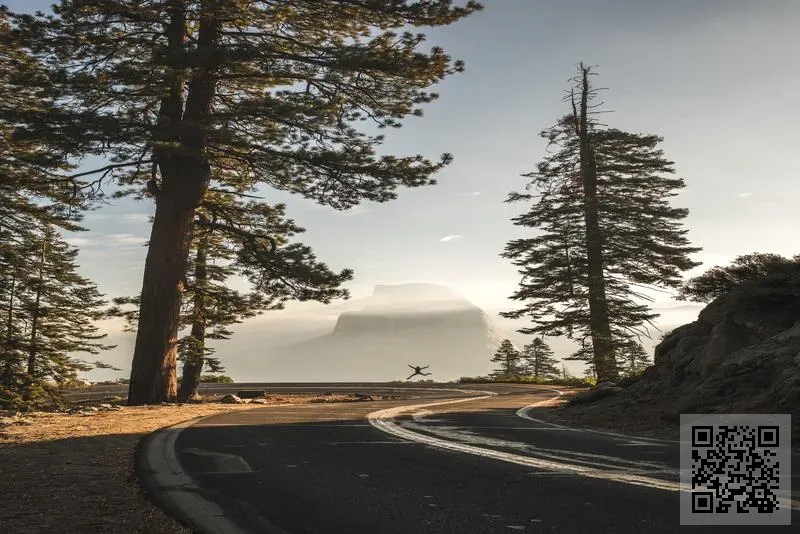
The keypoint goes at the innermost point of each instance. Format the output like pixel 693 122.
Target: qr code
pixel 735 469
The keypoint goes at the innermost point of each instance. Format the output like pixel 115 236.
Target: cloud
pixel 473 194
pixel 134 217
pixel 125 240
pixel 447 238
pixel 77 241
pixel 355 210
pixel 744 195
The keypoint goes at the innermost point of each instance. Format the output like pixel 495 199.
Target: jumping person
pixel 418 371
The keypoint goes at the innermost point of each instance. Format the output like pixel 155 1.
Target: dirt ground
pixel 73 473
pixel 601 416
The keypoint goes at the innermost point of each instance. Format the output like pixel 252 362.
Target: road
pixel 473 466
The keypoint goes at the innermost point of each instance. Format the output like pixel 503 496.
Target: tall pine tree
pixel 263 92
pixel 604 230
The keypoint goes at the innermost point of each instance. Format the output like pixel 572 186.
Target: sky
pixel 714 78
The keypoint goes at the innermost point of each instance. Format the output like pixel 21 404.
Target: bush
pixel 568 382
pixel 216 379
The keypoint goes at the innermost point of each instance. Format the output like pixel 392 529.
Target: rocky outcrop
pixel 741 355
pixel 403 324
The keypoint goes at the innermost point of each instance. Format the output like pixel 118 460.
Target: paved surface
pixel 326 469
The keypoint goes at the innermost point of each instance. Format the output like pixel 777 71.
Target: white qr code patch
pixel 736 469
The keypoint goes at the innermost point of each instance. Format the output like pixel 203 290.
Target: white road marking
pixel 523 412
pixel 464 435
pixel 383 420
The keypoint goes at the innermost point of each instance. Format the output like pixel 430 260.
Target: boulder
pixel 251 394
pixel 231 399
pixel 741 355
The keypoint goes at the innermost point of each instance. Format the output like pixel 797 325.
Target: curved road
pixel 469 466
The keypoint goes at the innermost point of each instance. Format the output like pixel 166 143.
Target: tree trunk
pixel 602 347
pixel 153 377
pixel 185 175
pixel 32 348
pixel 9 364
pixel 195 359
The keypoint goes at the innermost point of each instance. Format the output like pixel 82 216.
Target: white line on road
pixel 383 420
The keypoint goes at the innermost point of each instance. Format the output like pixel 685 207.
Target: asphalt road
pixel 326 468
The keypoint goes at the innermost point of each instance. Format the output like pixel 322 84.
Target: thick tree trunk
pixel 602 346
pixel 153 377
pixel 185 175
pixel 193 365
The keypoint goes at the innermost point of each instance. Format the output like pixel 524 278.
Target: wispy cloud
pixel 77 241
pixel 744 195
pixel 134 217
pixel 125 240
pixel 447 238
pixel 473 194
pixel 355 210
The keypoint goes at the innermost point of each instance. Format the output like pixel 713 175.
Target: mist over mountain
pixel 418 324
pixel 374 338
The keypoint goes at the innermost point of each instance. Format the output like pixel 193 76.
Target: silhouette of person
pixel 418 371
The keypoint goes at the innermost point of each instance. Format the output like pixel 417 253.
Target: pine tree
pixel 230 241
pixel 49 315
pixel 231 233
pixel 539 361
pixel 633 358
pixel 509 359
pixel 604 227
pixel 265 93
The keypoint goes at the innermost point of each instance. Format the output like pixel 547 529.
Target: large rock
pixel 741 355
pixel 418 324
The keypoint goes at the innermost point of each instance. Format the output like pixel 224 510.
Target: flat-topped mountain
pixel 420 324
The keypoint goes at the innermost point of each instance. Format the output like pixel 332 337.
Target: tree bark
pixel 602 346
pixel 185 175
pixel 32 349
pixel 193 365
pixel 153 377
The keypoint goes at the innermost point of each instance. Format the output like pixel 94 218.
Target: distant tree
pixel 718 281
pixel 603 228
pixel 261 92
pixel 632 358
pixel 49 312
pixel 539 361
pixel 509 360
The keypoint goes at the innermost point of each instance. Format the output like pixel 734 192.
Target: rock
pixel 741 355
pixel 438 327
pixel 604 385
pixel 259 401
pixel 105 406
pixel 230 399
pixel 251 394
pixel 595 394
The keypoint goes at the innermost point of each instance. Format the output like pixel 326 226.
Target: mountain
pixel 418 324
